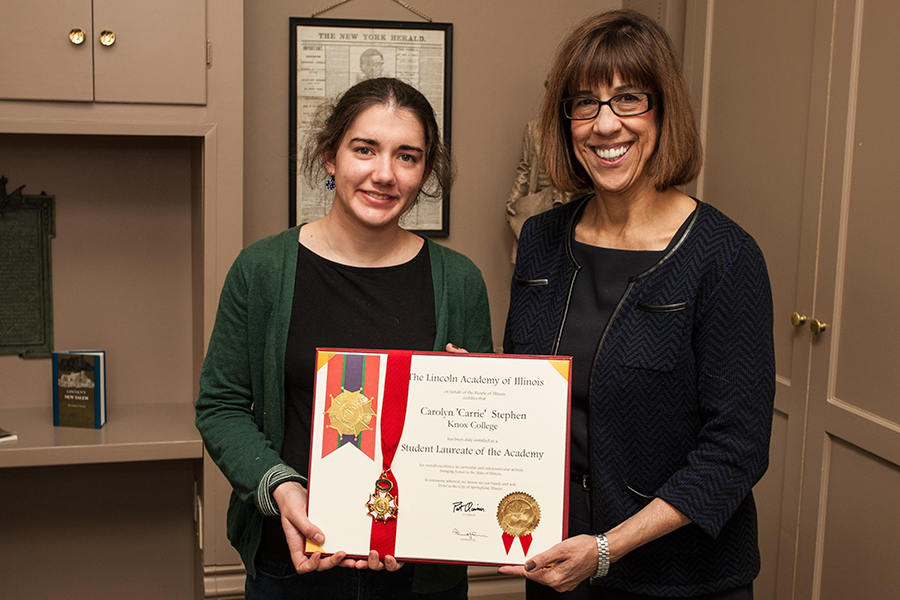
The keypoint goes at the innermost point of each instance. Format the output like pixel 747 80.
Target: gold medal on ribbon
pixel 350 412
pixel 382 505
pixel 518 515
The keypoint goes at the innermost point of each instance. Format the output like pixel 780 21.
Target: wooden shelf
pixel 149 216
pixel 133 432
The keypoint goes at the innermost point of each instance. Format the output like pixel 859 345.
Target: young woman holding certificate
pixel 352 279
pixel 665 305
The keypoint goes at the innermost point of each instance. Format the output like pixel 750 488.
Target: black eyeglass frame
pixel 602 103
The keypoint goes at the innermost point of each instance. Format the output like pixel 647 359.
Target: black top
pixel 338 306
pixel 598 288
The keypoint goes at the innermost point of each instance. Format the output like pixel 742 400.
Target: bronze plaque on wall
pixel 26 302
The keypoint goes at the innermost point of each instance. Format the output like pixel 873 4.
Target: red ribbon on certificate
pixel 525 540
pixel 393 414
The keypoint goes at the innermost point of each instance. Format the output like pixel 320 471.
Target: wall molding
pixel 224 582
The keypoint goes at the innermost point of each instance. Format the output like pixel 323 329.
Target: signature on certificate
pixel 466 507
pixel 468 536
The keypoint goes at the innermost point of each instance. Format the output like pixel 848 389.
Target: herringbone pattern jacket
pixel 681 393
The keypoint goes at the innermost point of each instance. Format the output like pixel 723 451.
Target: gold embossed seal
pixel 518 514
pixel 350 412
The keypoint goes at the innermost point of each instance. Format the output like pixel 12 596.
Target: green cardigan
pixel 240 410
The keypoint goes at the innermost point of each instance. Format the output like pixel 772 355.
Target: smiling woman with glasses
pixel 642 284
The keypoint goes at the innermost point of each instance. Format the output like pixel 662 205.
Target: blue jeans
pixel 279 581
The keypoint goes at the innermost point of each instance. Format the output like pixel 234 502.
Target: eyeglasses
pixel 629 104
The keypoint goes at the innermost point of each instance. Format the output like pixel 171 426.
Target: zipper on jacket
pixel 562 321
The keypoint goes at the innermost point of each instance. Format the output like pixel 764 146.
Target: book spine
pixel 100 390
pixel 97 394
pixel 56 389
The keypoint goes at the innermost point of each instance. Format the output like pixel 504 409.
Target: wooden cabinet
pixel 39 62
pixel 159 54
pixel 90 501
pixel 129 264
pixel 800 152
pixel 851 475
pixel 149 198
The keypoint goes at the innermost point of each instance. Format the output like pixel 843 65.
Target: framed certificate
pixel 440 457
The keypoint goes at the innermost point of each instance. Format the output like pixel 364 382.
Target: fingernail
pixel 319 538
pixel 454 346
pixel 530 566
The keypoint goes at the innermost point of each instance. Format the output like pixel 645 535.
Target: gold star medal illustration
pixel 518 515
pixel 351 389
pixel 350 413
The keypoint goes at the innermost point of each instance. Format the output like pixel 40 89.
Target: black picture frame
pixel 326 58
pixel 27 224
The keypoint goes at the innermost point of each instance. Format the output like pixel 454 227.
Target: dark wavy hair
pixel 335 119
pixel 633 46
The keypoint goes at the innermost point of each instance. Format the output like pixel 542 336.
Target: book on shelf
pixel 7 436
pixel 79 388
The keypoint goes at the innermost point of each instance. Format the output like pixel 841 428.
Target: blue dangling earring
pixel 329 183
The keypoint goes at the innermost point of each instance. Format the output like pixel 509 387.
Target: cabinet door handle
pixel 107 37
pixel 76 36
pixel 797 319
pixel 817 326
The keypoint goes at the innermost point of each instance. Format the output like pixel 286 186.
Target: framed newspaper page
pixel 328 56
pixel 439 457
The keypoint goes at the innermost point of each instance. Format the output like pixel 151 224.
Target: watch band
pixel 602 556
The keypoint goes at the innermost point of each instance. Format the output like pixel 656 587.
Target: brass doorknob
pixel 817 326
pixel 107 37
pixel 76 36
pixel 797 319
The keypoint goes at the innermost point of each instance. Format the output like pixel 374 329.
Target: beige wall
pixel 501 52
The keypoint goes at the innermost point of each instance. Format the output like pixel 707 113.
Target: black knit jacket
pixel 681 391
